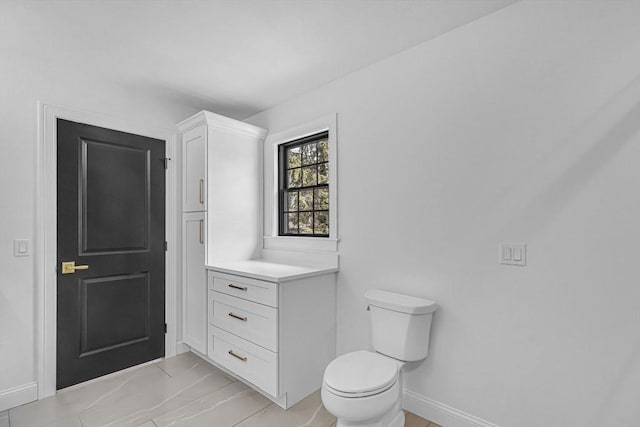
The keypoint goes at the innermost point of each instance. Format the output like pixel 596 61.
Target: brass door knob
pixel 69 267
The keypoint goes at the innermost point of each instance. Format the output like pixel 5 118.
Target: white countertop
pixel 269 271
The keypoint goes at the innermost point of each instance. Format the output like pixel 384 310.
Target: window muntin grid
pixel 303 166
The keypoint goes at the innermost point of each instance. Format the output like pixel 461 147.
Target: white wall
pixel 23 81
pixel 523 126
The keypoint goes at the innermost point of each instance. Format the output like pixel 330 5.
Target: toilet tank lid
pixel 399 302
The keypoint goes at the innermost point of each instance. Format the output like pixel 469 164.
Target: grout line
pixel 259 410
pixel 163 370
pixel 157 365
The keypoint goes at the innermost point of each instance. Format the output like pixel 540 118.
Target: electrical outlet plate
pixel 513 254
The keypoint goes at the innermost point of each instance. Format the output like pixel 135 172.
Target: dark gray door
pixel 111 222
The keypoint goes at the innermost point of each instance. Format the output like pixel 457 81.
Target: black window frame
pixel 283 169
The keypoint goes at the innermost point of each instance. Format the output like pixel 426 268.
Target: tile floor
pixel 181 391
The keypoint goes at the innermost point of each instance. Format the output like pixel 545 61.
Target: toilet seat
pixel 360 374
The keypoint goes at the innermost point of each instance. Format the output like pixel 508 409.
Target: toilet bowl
pixel 364 388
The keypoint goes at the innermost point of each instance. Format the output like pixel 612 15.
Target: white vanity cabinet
pixel 274 331
pixel 221 205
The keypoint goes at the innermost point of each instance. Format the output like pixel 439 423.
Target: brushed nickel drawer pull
pixel 202 191
pixel 201 231
pixel 235 316
pixel 244 359
pixel 241 288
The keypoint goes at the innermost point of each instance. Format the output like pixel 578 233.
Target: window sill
pixel 295 243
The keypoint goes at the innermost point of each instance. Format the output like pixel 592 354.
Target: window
pixel 278 235
pixel 303 175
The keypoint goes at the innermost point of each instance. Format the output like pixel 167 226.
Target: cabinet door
pixel 194 191
pixel 194 282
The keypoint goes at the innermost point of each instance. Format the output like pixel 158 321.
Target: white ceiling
pixel 233 57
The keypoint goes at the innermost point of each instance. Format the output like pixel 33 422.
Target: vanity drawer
pixel 242 287
pixel 254 322
pixel 247 360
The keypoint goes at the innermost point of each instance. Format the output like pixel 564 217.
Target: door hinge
pixel 166 162
pixel 165 328
pixel 165 246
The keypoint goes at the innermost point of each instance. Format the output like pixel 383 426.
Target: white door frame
pixel 45 227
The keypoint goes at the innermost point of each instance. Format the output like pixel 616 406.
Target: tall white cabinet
pixel 221 205
pixel 194 194
pixel 193 274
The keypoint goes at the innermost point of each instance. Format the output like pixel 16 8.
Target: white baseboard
pixel 440 413
pixel 18 396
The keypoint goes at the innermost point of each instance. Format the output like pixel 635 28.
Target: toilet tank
pixel 400 324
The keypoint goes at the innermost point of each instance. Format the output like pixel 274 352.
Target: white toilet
pixel 364 388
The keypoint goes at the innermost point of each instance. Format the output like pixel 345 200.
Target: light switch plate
pixel 21 247
pixel 513 254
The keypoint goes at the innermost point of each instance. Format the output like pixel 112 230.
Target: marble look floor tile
pixel 66 421
pixel 65 405
pixel 73 421
pixel 184 362
pixel 173 403
pixel 179 364
pixel 222 408
pixel 148 424
pixel 141 401
pixel 412 420
pixel 309 412
pixel 434 425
